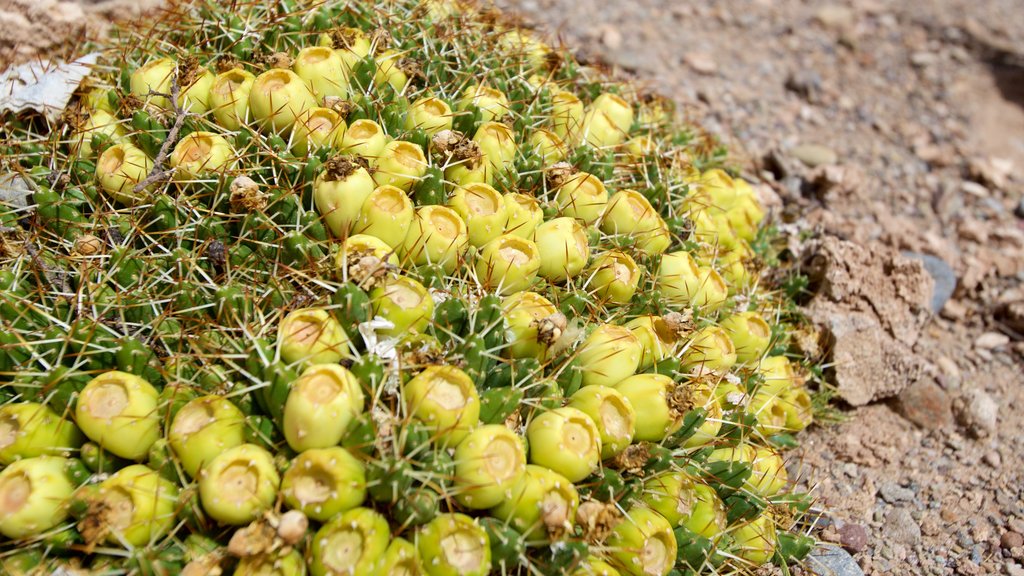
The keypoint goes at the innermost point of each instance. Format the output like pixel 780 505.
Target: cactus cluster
pixel 360 288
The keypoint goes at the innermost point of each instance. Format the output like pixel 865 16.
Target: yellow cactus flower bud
pixel 619 112
pixel 582 196
pixel 708 517
pixel 35 495
pixel 120 168
pixel 98 99
pixel 389 71
pixel 195 98
pixel 277 98
pixel 612 413
pixel 508 264
pixel 684 284
pixel 229 97
pixel 100 123
pixel 710 349
pixel 566 115
pixel 323 71
pixel 542 504
pixel 522 215
pixel 321 407
pixel 566 441
pixel 339 193
pixel 401 164
pixel 750 335
pixel 643 544
pixel 656 399
pixel 317 128
pixel 609 355
pixel 204 428
pixel 548 145
pixel 614 277
pixel 312 335
pixel 768 472
pixel 779 375
pixel 351 40
pixel 429 114
pixel 387 214
pixel 702 395
pixel 324 482
pixel 140 506
pixel 364 138
pixel 239 485
pixel 468 165
pixel 454 545
pixel 497 144
pixel 659 336
pixel 483 210
pixel 769 411
pixel 745 217
pixel 488 461
pixel 594 567
pixel 200 154
pixel 154 76
pixel 437 235
pixel 524 44
pixel 405 303
pixel 119 412
pixel 492 103
pixel 28 429
pixel 629 213
pixel 670 494
pixel 354 252
pixel 445 399
pixel 640 146
pixel 599 131
pixel 796 404
pixel 533 324
pixel 563 242
pixel 756 540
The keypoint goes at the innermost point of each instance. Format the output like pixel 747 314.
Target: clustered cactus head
pixel 385 288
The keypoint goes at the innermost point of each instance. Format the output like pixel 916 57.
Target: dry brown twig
pixel 159 172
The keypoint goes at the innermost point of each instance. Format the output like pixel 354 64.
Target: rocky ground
pixel 896 127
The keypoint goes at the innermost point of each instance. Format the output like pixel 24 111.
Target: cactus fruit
pixel 385 288
pixel 35 494
pixel 119 412
pixel 28 429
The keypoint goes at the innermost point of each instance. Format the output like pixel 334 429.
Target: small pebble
pixel 992 340
pixel 813 155
pixel 853 537
pixel 1010 540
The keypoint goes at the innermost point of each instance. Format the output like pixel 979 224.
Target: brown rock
pixel 853 537
pixel 926 404
pixel 977 412
pixel 872 303
pixel 701 62
pixel 1011 540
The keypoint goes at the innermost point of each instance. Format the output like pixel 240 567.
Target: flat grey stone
pixel 945 278
pixel 828 560
pixel 14 192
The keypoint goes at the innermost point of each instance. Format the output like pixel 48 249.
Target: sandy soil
pixel 897 126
